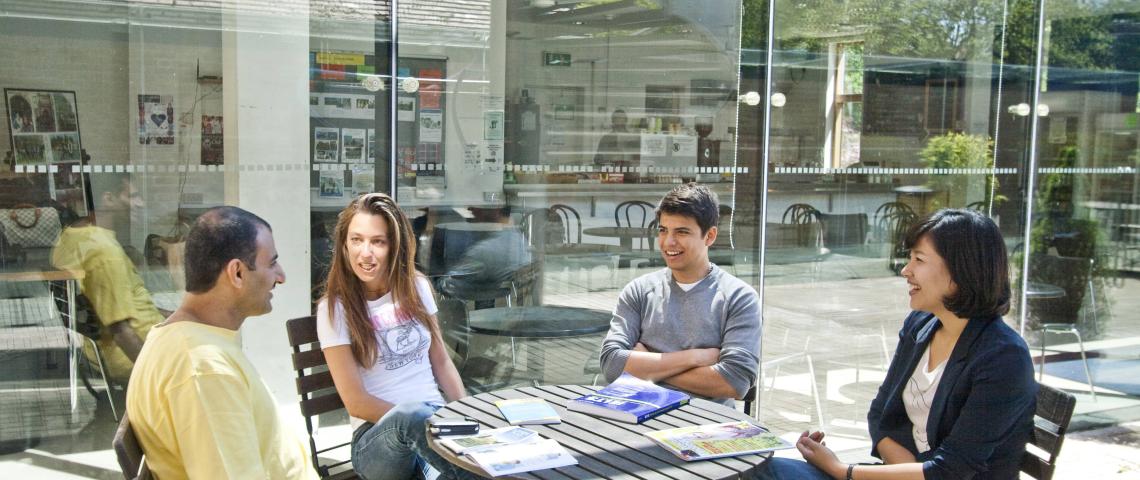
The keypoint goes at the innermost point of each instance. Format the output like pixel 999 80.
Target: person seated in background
pixel 112 285
pixel 959 396
pixel 489 262
pixel 620 147
pixel 198 406
pixel 691 326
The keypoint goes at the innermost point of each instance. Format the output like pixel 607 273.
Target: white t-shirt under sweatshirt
pixel 402 372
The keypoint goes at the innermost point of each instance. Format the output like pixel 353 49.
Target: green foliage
pixel 959 150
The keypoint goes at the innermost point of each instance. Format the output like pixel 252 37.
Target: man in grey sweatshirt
pixel 692 326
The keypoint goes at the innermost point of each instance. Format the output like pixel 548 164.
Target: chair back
pixel 571 222
pixel 455 327
pixel 1072 274
pixel 524 285
pixel 844 229
pixel 315 387
pixel 129 453
pixel 800 213
pixel 542 227
pixel 634 213
pixel 85 322
pixel 1054 411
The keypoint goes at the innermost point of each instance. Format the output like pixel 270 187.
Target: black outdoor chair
pixel 634 213
pixel 318 393
pixel 1051 421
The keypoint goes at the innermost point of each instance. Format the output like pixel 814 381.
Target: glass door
pixel 536 137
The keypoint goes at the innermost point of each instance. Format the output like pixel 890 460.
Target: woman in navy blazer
pixel 980 413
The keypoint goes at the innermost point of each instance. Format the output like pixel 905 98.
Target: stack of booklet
pixel 507 450
pixel 719 440
pixel 629 399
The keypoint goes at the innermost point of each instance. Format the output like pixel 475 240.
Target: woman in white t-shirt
pixel 377 327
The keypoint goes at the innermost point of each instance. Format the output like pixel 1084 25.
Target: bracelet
pixel 850 471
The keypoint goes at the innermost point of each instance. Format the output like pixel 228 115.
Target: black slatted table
pixel 607 448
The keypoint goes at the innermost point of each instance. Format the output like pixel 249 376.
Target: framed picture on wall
pixel 43 126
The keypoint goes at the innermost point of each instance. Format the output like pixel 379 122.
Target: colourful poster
pixel 156 119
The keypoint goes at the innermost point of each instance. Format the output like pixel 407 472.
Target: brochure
pixel 488 439
pixel 528 411
pixel 522 457
pixel 720 440
pixel 629 399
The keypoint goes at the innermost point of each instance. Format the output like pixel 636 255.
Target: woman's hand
pixel 894 453
pixel 816 453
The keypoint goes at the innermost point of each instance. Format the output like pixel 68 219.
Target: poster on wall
pixel 212 146
pixel 493 125
pixel 156 119
pixel 337 106
pixel 332 184
pixel 44 126
pixel 430 90
pixel 326 144
pixel 406 109
pixel 352 142
pixel 371 156
pixel 363 179
pixel 431 126
pixel 364 107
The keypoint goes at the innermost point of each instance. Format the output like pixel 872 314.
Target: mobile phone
pixel 442 427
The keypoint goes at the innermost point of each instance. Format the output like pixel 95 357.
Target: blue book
pixel 629 399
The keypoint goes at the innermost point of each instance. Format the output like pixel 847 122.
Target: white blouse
pixel 919 395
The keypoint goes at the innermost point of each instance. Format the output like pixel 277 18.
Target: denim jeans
pixel 789 469
pixel 396 448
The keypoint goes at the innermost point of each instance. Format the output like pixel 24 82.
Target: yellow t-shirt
pixel 112 285
pixel 200 410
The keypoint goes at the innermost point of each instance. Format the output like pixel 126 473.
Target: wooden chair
pixel 317 391
pixel 1054 410
pixel 132 460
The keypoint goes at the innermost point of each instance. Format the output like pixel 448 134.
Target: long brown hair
pixel 343 287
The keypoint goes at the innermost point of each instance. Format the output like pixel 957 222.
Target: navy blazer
pixel 982 412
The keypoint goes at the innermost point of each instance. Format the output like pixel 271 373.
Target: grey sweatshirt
pixel 721 311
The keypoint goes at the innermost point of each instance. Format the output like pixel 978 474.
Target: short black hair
pixel 219 235
pixel 975 254
pixel 692 200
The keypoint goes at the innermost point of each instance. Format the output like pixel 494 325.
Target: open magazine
pixel 507 450
pixel 538 454
pixel 720 440
pixel 488 439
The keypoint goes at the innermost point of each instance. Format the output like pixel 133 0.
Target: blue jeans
pixel 396 448
pixel 789 469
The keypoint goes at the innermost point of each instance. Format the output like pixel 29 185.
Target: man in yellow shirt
pixel 112 284
pixel 197 405
pixel 116 292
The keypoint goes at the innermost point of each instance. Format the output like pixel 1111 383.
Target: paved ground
pixel 837 319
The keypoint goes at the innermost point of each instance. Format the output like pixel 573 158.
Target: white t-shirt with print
pixel 402 372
